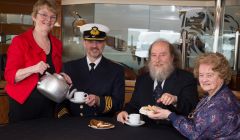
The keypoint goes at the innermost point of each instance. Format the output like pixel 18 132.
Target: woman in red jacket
pixel 29 56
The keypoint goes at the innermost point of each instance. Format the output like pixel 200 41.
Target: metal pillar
pixel 236 53
pixel 219 10
pixel 184 41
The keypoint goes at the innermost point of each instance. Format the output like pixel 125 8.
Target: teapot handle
pixel 69 94
pixel 47 73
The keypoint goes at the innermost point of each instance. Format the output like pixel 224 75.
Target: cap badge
pixel 94 31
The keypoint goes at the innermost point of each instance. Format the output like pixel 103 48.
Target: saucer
pixel 135 125
pixel 77 101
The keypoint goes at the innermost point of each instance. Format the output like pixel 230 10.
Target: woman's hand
pixel 40 67
pixel 122 116
pixel 66 77
pixel 159 113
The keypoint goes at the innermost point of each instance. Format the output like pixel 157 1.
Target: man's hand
pixel 92 100
pixel 122 116
pixel 167 99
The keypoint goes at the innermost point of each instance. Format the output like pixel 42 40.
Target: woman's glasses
pixel 45 16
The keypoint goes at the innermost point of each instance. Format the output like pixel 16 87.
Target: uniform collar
pixel 96 62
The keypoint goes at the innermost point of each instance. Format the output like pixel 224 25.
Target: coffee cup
pixel 134 118
pixel 80 96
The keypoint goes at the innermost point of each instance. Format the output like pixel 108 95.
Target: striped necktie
pixel 158 91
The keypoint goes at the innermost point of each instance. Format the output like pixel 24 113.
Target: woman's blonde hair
pixel 218 62
pixel 51 5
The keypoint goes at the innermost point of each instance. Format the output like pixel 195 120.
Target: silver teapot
pixel 54 87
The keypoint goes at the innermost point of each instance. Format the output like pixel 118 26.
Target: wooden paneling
pixel 25 2
pixel 3 48
pixel 2 85
pixel 235 82
pixel 14 29
pixel 16 6
pixel 129 88
pixel 14 9
pixel 4 108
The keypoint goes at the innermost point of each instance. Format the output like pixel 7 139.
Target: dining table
pixel 77 128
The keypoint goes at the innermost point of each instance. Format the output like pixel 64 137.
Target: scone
pixel 100 124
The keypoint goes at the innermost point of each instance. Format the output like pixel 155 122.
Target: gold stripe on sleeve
pixel 108 104
pixel 62 112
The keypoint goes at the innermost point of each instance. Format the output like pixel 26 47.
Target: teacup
pixel 134 118
pixel 80 96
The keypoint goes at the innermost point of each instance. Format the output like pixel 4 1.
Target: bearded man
pixel 165 85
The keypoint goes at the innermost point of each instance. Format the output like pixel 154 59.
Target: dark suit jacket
pixel 180 83
pixel 107 82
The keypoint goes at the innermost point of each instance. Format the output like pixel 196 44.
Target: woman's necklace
pixel 42 43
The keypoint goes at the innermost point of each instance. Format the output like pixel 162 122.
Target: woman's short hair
pixel 173 51
pixel 218 62
pixel 51 5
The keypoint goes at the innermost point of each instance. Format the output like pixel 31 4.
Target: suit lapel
pixel 101 64
pixel 148 89
pixel 170 82
pixel 84 65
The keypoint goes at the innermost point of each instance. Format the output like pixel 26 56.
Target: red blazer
pixel 24 52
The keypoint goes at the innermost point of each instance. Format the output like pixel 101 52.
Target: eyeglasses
pixel 45 16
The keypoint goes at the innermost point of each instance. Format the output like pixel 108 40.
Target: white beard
pixel 160 73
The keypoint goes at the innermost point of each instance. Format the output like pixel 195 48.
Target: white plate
pixel 144 111
pixel 135 125
pixel 76 101
pixel 94 127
